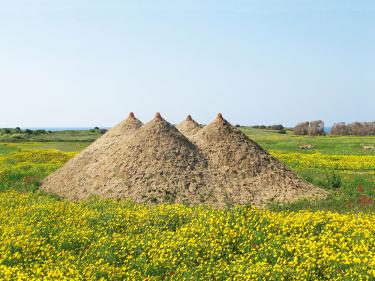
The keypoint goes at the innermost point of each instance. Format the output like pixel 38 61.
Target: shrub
pixel 334 180
pixel 277 127
pixel 40 132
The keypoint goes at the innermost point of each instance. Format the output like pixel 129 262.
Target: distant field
pixel 350 145
pixel 55 136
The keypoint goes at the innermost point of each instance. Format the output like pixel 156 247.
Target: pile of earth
pixel 156 162
pixel 189 126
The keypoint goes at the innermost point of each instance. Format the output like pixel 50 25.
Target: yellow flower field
pixel 44 238
pixel 327 161
pixel 50 239
pixel 34 162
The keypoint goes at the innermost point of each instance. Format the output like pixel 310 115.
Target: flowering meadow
pixel 47 238
pixel 25 169
pixel 51 239
pixel 318 160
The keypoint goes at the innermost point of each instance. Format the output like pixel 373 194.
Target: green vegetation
pixel 52 239
pixel 348 145
pixel 18 135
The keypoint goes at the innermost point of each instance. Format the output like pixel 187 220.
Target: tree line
pixel 316 128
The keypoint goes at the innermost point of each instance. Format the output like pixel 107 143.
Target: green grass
pixel 349 145
pixel 66 146
pixel 58 136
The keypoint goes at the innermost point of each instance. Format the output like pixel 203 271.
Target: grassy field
pixel 54 239
pixel 49 136
pixel 343 145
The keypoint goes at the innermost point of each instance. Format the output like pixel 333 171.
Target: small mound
pixel 242 172
pixel 189 126
pixel 128 125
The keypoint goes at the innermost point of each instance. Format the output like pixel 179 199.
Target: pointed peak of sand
pixel 158 117
pixel 220 119
pixel 189 118
pixel 131 115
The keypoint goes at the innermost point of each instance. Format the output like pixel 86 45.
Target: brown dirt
pixel 78 173
pixel 189 126
pixel 218 165
pixel 242 172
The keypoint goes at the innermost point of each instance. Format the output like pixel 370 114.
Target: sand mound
pixel 242 172
pixel 155 164
pixel 189 126
pixel 75 175
pixel 218 165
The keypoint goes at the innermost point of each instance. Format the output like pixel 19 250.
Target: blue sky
pixel 90 62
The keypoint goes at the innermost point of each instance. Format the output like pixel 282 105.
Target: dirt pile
pixel 155 162
pixel 189 126
pixel 242 172
pixel 77 175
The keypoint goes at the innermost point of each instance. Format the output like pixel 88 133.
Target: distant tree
pixel 7 131
pixel 238 126
pixel 302 128
pixel 277 127
pixel 39 132
pixel 340 129
pixel 18 130
pixel 96 128
pixel 28 131
pixel 262 127
pixel 316 128
pixel 355 128
pixel 103 131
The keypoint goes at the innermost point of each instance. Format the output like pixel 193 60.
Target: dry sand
pixel 189 126
pixel 218 165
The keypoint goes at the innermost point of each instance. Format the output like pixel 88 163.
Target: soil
pixel 189 126
pixel 156 162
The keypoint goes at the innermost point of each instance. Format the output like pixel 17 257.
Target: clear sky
pixel 90 62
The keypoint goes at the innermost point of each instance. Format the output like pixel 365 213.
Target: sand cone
pixel 155 162
pixel 189 126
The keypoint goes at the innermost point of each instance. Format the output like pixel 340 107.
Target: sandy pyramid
pixel 155 164
pixel 78 172
pixel 189 126
pixel 242 172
